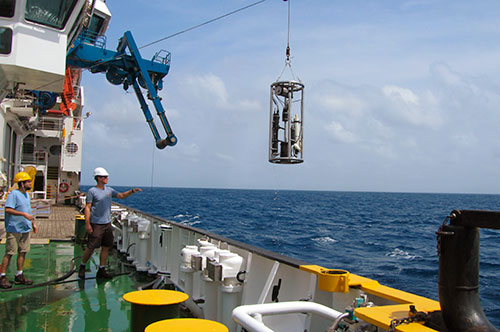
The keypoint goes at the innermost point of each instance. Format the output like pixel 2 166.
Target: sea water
pixel 389 237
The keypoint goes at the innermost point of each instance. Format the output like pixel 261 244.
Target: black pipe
pixel 458 248
pixel 46 283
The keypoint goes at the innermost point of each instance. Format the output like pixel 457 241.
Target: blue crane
pixel 126 67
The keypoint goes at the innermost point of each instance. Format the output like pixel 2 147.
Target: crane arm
pixel 126 67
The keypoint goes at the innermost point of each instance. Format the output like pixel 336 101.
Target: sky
pixel 400 96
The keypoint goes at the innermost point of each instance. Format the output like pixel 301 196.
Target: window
pixel 52 13
pixel 5 40
pixel 7 8
pixel 96 24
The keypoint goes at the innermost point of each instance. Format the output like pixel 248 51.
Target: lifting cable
pixel 202 24
pixel 287 60
pixel 167 37
pixel 152 166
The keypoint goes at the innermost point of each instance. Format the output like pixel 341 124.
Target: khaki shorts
pixel 17 242
pixel 102 235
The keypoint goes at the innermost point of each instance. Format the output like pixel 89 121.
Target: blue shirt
pixel 100 210
pixel 20 202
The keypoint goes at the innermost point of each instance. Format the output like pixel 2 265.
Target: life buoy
pixel 63 187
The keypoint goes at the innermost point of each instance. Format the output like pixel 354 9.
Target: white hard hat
pixel 100 171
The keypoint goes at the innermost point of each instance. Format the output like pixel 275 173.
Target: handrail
pixel 243 314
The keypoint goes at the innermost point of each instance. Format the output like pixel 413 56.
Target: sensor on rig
pixel 286 130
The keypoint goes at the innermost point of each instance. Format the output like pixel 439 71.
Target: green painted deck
pixel 75 305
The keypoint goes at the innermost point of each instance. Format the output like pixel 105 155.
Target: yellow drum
pixel 186 325
pixel 149 306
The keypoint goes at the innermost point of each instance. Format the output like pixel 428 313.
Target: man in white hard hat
pixel 98 221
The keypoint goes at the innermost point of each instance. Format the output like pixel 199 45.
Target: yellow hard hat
pixel 22 176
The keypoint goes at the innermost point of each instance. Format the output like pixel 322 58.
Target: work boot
pixel 102 274
pixel 4 283
pixel 21 280
pixel 81 272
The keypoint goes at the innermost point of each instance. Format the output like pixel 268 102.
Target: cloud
pixel 338 132
pixel 449 119
pixel 400 94
pixel 370 117
pixel 405 105
pixel 224 157
pixel 118 123
pixel 210 91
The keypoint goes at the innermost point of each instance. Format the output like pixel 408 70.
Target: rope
pixel 202 24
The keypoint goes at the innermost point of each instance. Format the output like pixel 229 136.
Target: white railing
pixel 250 316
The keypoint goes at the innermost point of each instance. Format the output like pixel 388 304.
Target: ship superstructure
pixel 44 47
pixel 42 100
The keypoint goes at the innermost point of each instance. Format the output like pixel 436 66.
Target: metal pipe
pixel 243 314
pixel 458 248
pixel 118 229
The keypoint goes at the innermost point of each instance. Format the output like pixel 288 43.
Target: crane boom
pixel 126 67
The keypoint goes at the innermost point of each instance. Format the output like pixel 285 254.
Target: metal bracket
pixel 214 270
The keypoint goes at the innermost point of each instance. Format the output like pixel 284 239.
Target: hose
pixel 58 281
pixel 128 248
pixel 89 278
pixel 150 284
pixel 46 283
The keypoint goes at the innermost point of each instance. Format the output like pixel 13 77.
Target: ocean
pixel 389 237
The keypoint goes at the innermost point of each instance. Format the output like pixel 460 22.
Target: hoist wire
pixel 202 24
pixel 288 40
pixel 162 39
pixel 287 60
pixel 152 166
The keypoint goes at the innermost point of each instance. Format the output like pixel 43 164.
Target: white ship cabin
pixel 45 141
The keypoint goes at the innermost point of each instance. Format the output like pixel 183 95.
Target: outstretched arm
pixel 127 193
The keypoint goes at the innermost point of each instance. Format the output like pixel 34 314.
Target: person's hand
pixel 35 228
pixel 136 190
pixel 89 229
pixel 29 216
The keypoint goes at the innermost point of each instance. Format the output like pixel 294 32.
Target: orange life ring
pixel 63 187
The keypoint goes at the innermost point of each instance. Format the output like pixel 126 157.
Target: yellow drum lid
pixel 155 297
pixel 186 325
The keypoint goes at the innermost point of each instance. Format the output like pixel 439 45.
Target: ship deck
pixel 57 225
pixel 72 305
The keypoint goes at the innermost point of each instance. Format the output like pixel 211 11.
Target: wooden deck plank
pixel 60 224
